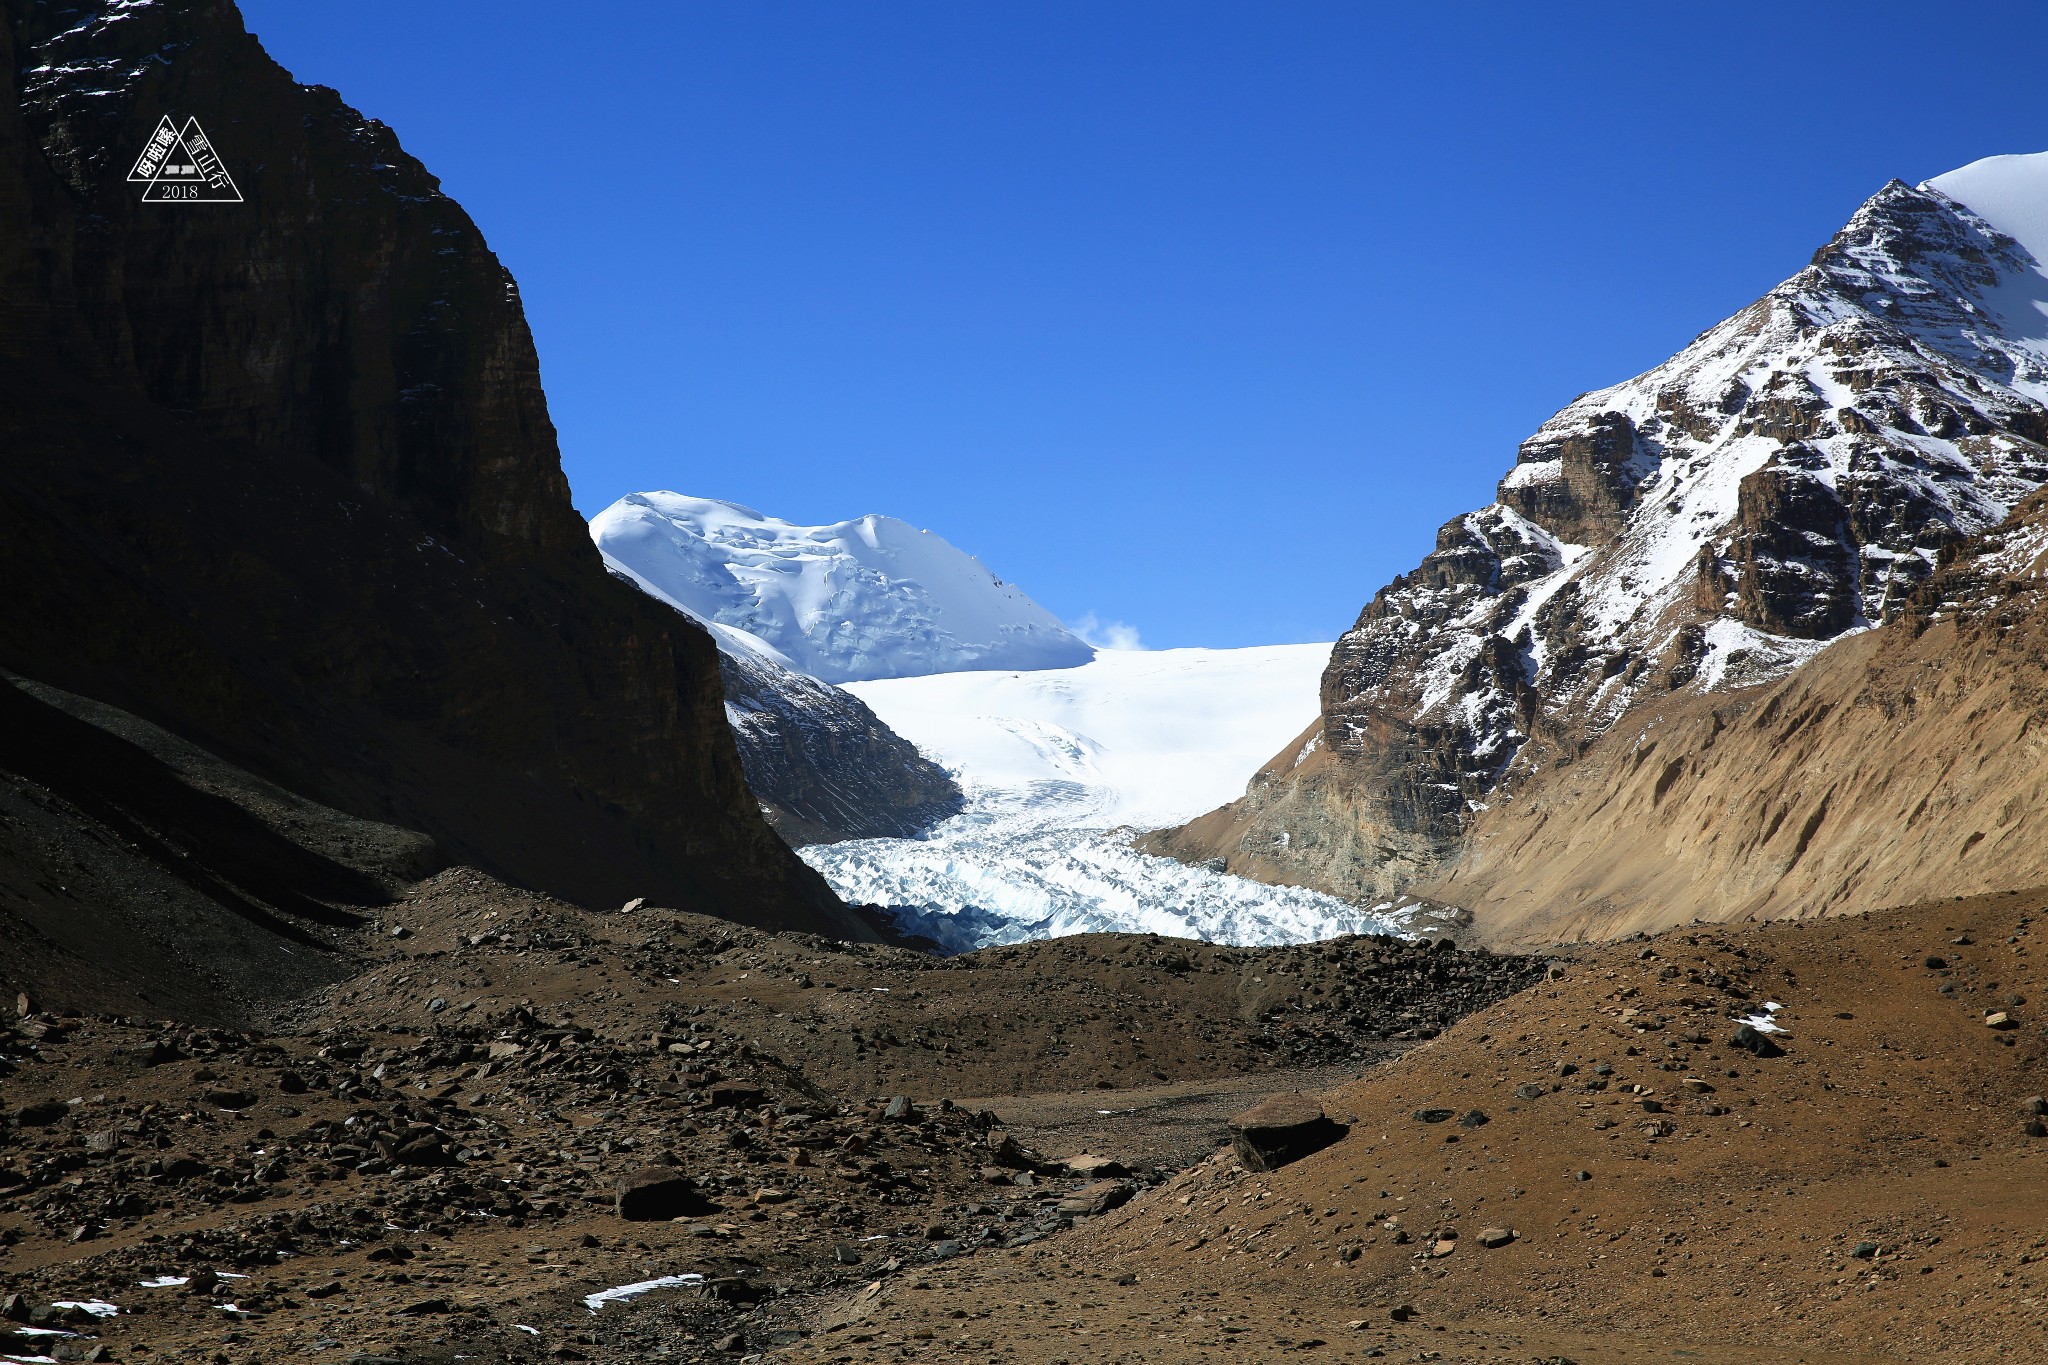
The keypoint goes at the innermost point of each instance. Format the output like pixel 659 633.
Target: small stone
pixel 1473 1118
pixel 844 1254
pixel 437 1004
pixel 1582 1175
pixel 1089 1167
pixel 899 1109
pixel 2034 1128
pixel 1697 1086
pixel 1933 962
pixel 229 1099
pixel 634 904
pixel 2000 1019
pixel 1491 1238
pixel 1529 1092
pixel 400 931
pixel 24 1004
pixel 1864 1251
pixel 1401 1312
pixel 1434 1115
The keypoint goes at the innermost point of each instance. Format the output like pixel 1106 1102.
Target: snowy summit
pixel 870 598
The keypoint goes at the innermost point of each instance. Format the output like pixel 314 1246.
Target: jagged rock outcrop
pixel 280 481
pixel 1792 476
pixel 822 764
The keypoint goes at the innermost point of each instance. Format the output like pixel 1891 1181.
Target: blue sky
pixel 1199 317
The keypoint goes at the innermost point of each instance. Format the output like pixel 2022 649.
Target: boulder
pixel 41 1115
pixel 1756 1041
pixel 655 1194
pixel 1098 1196
pixel 1282 1129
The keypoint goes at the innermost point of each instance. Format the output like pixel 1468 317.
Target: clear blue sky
pixel 1196 316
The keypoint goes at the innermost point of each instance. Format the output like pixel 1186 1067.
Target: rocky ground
pixel 515 1104
pixel 1591 1171
pixel 448 1154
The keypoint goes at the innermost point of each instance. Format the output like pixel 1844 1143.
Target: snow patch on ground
pixel 625 1292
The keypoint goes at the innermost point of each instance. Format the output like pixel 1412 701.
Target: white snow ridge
pixel 870 598
pixel 1060 766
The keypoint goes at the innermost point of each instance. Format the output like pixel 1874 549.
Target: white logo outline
pixel 181 166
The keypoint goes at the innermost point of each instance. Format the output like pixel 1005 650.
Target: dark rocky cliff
pixel 279 478
pixel 823 764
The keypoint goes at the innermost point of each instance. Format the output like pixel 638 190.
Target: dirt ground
pixel 1577 1166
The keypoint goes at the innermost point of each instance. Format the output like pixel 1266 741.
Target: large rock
pixel 655 1194
pixel 1282 1129
pixel 1097 1196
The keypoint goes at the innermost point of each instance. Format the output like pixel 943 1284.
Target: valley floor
pixel 382 1177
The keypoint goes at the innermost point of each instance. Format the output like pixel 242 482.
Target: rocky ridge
pixel 1791 477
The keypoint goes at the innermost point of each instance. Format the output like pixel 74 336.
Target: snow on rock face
pixel 869 598
pixel 1789 477
pixel 1058 767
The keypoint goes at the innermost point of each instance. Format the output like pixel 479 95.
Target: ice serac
pixel 1791 477
pixel 822 764
pixel 281 483
pixel 870 598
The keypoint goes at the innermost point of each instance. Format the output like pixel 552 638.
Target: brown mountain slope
pixel 1905 763
pixel 279 479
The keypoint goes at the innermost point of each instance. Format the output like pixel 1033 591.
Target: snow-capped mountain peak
pixel 873 597
pixel 1789 477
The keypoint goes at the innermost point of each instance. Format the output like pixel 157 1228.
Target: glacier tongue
pixel 1059 766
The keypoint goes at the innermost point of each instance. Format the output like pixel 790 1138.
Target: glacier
pixel 1061 767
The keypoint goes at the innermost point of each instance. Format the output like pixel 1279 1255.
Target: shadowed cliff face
pixel 279 478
